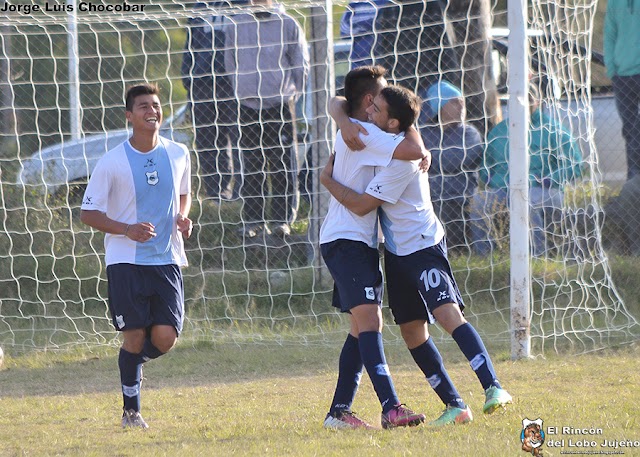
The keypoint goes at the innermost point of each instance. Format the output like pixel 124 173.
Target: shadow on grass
pixel 77 372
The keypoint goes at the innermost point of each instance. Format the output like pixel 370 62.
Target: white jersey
pixel 355 169
pixel 408 220
pixel 130 186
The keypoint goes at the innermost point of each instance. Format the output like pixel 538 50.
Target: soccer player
pixel 421 285
pixel 348 243
pixel 139 195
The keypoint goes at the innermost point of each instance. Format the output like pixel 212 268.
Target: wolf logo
pixel 532 436
pixel 152 177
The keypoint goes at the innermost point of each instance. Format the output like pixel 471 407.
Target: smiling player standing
pixel 139 195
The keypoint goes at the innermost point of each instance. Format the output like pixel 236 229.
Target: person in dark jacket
pixel 268 61
pixel 215 109
pixel 357 24
pixel 411 42
pixel 456 148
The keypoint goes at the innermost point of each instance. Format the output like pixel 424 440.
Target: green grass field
pixel 267 400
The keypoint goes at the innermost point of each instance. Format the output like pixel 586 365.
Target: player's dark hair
pixel 402 104
pixel 141 89
pixel 361 81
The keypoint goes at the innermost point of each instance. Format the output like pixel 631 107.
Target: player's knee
pixel 414 333
pixel 164 338
pixel 133 340
pixel 165 343
pixel 133 347
pixel 449 317
pixel 368 318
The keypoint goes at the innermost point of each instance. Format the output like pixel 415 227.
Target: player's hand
pixel 185 225
pixel 425 163
pixel 351 135
pixel 327 171
pixel 141 232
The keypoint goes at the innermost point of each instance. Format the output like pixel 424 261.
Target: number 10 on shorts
pixel 430 278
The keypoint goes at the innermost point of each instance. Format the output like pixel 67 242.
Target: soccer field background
pixel 216 400
pixel 52 279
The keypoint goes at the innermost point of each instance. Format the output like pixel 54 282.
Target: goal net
pixel 62 82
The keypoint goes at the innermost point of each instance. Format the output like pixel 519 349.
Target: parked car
pixel 72 161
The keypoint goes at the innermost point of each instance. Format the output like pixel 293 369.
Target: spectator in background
pixel 268 60
pixel 215 110
pixel 623 215
pixel 622 59
pixel 421 41
pixel 357 24
pixel 413 45
pixel 554 161
pixel 456 148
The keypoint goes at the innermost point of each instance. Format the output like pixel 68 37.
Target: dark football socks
pixel 130 368
pixel 372 353
pixel 473 349
pixel 349 374
pixel 149 351
pixel 429 360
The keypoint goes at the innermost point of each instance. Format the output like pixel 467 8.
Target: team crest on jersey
pixel 152 177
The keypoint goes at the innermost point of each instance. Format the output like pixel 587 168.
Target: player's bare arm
pixel 411 148
pixel 355 202
pixel 140 231
pixel 350 130
pixel 185 225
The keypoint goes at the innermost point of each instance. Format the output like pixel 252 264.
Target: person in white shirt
pixel 139 195
pixel 349 249
pixel 421 285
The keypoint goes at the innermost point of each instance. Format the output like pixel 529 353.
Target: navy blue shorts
pixel 355 268
pixel 141 296
pixel 420 282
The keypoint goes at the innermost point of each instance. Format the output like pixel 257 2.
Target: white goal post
pixel 61 111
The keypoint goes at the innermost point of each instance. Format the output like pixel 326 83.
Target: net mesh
pixel 268 288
